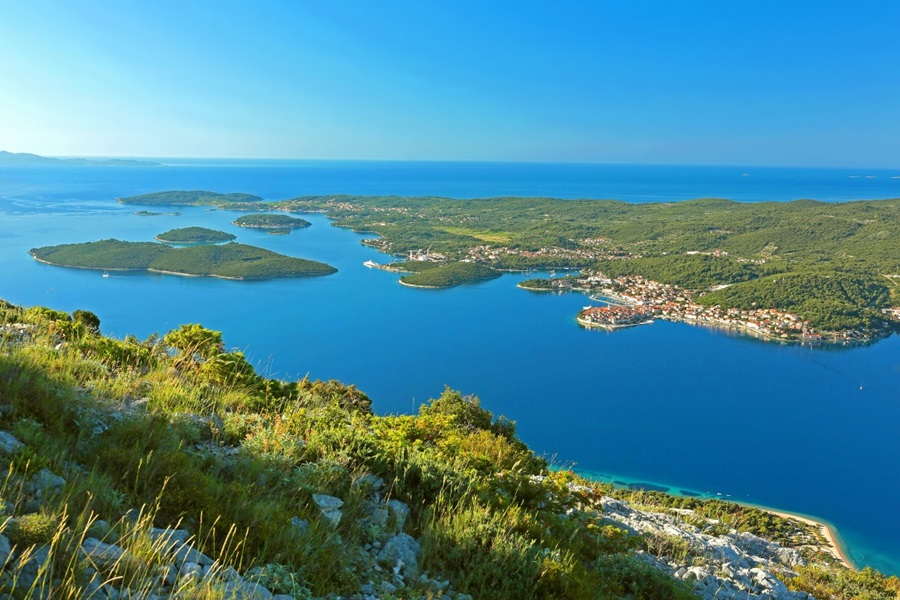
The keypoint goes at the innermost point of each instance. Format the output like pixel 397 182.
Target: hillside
pixel 168 466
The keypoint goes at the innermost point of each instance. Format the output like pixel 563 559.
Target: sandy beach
pixel 834 547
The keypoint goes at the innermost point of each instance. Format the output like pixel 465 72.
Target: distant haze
pixel 747 83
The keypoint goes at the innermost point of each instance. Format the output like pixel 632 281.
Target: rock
pixel 9 445
pixel 185 553
pixel 45 482
pixel 330 507
pixel 99 529
pixel 167 575
pixel 300 526
pixel 245 590
pixel 94 589
pixel 111 592
pixel 401 550
pixel 101 554
pixel 400 512
pixel 5 549
pixel 190 570
pixel 367 589
pixel 370 480
pixel 169 539
pixel 29 564
pixel 132 515
pixel 387 588
pixel 379 517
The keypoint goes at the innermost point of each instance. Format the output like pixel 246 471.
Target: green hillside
pixel 128 461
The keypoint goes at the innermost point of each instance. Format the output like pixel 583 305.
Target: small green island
pixel 448 275
pixel 149 213
pixel 195 235
pixel 538 284
pixel 279 224
pixel 227 261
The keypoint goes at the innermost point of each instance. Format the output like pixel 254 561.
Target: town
pixel 633 300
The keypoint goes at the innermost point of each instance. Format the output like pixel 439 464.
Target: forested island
pixel 271 222
pixel 227 261
pixel 133 466
pixel 195 235
pixel 436 275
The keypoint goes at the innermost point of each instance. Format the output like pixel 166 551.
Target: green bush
pixel 35 529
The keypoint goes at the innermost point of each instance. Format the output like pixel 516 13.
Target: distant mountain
pixel 33 160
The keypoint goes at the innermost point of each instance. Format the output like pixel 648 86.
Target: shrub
pixel 34 529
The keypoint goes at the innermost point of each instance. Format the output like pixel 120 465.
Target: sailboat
pixel 106 273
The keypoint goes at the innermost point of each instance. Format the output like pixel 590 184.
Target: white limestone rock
pixel 330 506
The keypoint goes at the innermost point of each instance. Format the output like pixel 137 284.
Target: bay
pixel 810 430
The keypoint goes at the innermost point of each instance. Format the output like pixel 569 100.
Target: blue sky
pixel 773 83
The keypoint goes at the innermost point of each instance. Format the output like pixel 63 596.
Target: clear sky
pixel 718 82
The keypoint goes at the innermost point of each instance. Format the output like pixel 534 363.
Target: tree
pixel 89 320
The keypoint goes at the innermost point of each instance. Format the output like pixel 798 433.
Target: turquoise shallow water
pixel 805 430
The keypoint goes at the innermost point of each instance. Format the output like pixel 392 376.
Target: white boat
pixel 105 273
pixel 371 264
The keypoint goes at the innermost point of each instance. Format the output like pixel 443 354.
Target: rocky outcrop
pixel 736 565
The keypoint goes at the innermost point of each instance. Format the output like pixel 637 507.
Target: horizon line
pixel 469 161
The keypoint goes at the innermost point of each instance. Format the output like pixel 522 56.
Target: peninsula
pixel 800 270
pixel 227 261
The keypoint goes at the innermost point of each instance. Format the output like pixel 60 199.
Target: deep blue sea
pixel 808 430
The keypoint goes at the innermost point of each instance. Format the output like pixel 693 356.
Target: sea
pixel 688 409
